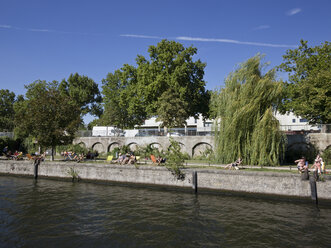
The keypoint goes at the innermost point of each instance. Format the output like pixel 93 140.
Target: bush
pixel 207 154
pixel 326 155
pixel 13 144
pixel 175 159
pixel 73 148
pixel 117 150
pixel 148 150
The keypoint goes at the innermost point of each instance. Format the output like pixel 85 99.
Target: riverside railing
pixel 191 131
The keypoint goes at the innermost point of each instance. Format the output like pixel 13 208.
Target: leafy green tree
pixel 171 66
pixel 309 86
pixel 83 92
pixel 172 110
pixel 7 100
pixel 134 93
pixel 122 106
pixel 244 109
pixel 46 114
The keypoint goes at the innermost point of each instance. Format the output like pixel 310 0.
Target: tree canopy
pixel 47 115
pixel 7 100
pixel 309 87
pixel 83 92
pixel 133 94
pixel 244 120
pixel 122 106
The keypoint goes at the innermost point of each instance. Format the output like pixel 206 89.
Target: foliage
pixel 172 110
pixel 117 150
pixel 73 173
pixel 83 92
pixel 175 159
pixel 95 122
pixel 122 106
pixel 148 150
pixel 207 154
pixel 170 76
pixel 13 144
pixel 73 148
pixel 7 100
pixel 326 155
pixel 171 66
pixel 243 111
pixel 309 87
pixel 47 115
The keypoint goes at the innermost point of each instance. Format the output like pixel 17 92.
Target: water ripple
pixel 63 214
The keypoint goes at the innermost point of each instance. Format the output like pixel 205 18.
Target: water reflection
pixel 64 214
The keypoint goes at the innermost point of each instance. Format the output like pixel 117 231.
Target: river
pixel 50 213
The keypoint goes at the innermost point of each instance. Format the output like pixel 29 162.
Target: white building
pixel 199 126
pixel 291 122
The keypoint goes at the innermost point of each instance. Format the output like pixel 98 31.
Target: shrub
pixel 175 159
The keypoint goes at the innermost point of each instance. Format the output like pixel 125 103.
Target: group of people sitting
pixel 14 156
pixel 73 156
pixel 67 155
pixel 318 165
pixel 127 158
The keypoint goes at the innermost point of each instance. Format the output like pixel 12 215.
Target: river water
pixel 49 213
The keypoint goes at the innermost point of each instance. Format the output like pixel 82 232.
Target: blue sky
pixel 48 40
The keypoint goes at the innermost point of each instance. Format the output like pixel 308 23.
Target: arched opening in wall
pixel 82 144
pixel 202 150
pixel 299 150
pixel 133 147
pixel 156 146
pixel 112 146
pixel 98 147
pixel 326 155
pixel 182 148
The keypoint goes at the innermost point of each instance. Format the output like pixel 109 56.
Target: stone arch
pixel 112 146
pixel 298 146
pixel 82 144
pixel 327 148
pixel 156 145
pixel 133 146
pixel 200 148
pixel 182 147
pixel 98 147
pixel 298 149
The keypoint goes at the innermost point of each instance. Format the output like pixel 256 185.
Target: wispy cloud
pixel 141 36
pixel 292 12
pixel 5 26
pixel 39 30
pixel 45 30
pixel 199 39
pixel 261 27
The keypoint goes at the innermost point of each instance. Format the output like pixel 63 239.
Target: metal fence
pixel 322 128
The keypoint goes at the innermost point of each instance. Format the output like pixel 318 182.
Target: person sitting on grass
pixel 132 159
pixel 301 164
pixel 80 157
pixel 234 165
pixel 125 159
pixel 161 160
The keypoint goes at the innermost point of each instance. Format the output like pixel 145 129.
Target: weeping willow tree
pixel 243 112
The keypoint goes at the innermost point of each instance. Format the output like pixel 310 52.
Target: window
pixel 303 120
pixel 293 120
pixel 207 124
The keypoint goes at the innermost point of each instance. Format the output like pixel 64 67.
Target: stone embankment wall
pixel 281 184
